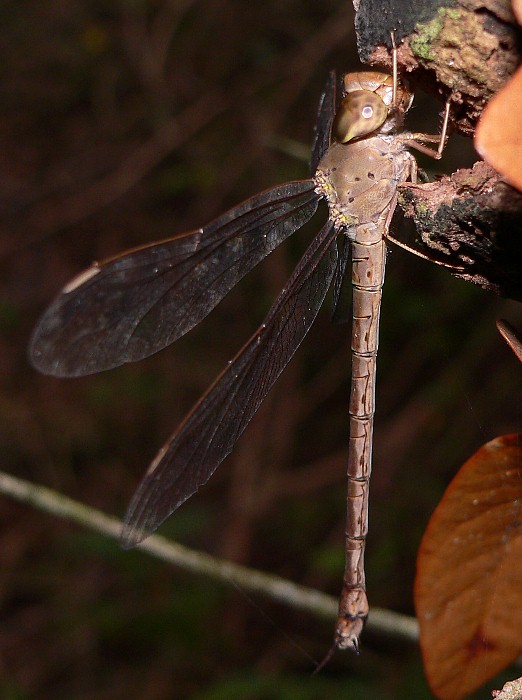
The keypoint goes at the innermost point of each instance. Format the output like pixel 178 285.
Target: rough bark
pixel 465 50
pixel 471 220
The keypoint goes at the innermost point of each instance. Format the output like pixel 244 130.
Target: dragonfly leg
pixel 394 69
pixel 413 177
pixel 404 246
pixel 418 140
pixel 389 237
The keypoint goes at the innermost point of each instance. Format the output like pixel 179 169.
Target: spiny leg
pixel 416 139
pixel 413 142
pixel 394 69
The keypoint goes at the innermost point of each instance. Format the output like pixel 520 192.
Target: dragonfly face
pixel 369 106
pixel 133 305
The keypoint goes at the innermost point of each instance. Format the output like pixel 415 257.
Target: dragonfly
pixel 132 305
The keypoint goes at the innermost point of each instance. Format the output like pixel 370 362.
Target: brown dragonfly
pixel 134 304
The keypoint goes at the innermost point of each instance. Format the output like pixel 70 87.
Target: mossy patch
pixel 428 32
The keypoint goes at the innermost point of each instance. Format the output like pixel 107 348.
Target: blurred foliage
pixel 125 122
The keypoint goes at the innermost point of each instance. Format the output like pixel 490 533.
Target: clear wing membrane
pixel 341 309
pixel 209 432
pixel 323 125
pixel 130 306
pixel 342 291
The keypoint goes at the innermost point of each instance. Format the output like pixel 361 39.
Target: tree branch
pixel 470 220
pixel 465 50
pixel 274 587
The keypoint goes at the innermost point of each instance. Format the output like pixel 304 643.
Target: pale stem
pixel 250 580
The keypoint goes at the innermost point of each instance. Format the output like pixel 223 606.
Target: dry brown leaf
pixel 498 137
pixel 517 9
pixel 468 589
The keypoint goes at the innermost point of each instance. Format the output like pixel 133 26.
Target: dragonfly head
pixel 369 106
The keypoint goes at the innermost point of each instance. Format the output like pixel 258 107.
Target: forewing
pixel 324 121
pixel 130 306
pixel 209 432
pixel 342 293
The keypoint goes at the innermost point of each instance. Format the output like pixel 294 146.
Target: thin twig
pixel 274 587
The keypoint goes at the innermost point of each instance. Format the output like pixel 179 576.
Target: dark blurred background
pixel 129 121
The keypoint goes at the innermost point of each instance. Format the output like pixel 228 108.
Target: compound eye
pixel 360 113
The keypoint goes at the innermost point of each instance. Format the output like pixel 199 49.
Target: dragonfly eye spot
pixel 359 113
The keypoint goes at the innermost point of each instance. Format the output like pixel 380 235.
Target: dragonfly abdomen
pixel 368 263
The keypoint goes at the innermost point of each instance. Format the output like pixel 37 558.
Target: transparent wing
pixel 342 292
pixel 130 306
pixel 209 432
pixel 324 121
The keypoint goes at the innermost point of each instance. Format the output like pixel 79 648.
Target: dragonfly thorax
pixel 359 179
